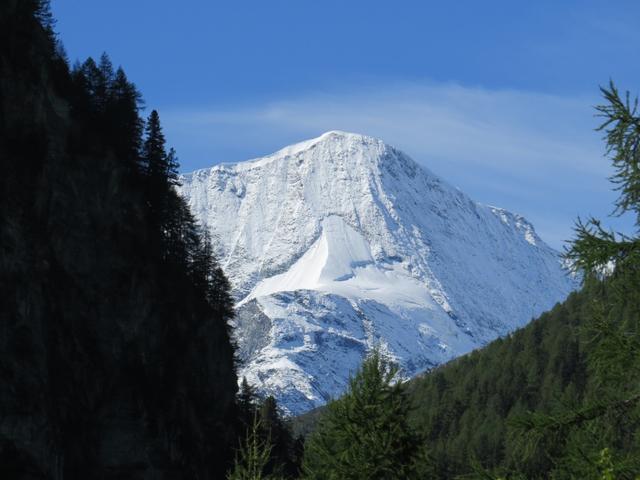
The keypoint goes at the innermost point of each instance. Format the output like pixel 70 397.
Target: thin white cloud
pixel 533 153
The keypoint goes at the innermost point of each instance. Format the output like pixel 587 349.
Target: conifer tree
pixel 171 167
pixel 595 247
pixel 42 12
pixel 253 456
pixel 104 82
pixel 96 79
pixel 247 403
pixel 124 119
pixel 273 428
pixel 219 293
pixel 91 77
pixel 365 434
pixel 161 167
pixel 598 438
pixel 201 258
pixel 168 211
pixel 154 153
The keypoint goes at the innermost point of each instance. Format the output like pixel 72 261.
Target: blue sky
pixel 495 96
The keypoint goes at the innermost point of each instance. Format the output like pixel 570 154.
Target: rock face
pixel 342 243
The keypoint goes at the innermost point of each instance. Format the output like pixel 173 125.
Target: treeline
pixel 111 104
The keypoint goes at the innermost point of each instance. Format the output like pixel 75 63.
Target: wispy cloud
pixel 533 153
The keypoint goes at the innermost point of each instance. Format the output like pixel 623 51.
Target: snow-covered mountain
pixel 341 243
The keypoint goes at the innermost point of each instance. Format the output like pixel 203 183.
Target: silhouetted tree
pixel 166 209
pixel 154 154
pixel 96 80
pixel 219 292
pixel 92 78
pixel 247 403
pixel 284 459
pixel 104 81
pixel 124 119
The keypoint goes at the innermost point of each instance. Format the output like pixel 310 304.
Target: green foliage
pixel 253 456
pixel 607 417
pixel 600 434
pixel 595 249
pixel 545 401
pixel 605 465
pixel 464 408
pixel 284 456
pixel 622 128
pixel 365 434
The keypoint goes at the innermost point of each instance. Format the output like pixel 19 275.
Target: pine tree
pixel 247 403
pixel 154 154
pixel 96 80
pixel 201 259
pixel 168 210
pixel 284 454
pixel 253 456
pixel 365 434
pixel 596 248
pixel 92 81
pixel 171 167
pixel 124 119
pixel 104 82
pixel 219 290
pixel 42 13
pixel 273 428
pixel 599 437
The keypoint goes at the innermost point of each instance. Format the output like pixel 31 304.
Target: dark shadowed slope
pixel 114 361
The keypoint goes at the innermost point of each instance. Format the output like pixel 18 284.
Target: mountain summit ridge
pixel 339 243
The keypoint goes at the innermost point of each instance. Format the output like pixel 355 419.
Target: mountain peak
pixel 331 142
pixel 342 136
pixel 341 243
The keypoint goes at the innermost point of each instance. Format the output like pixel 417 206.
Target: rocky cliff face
pixel 342 242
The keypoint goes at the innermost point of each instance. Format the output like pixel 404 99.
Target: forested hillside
pixel 115 357
pixel 473 411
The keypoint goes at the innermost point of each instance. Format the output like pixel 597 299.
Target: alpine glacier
pixel 342 243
